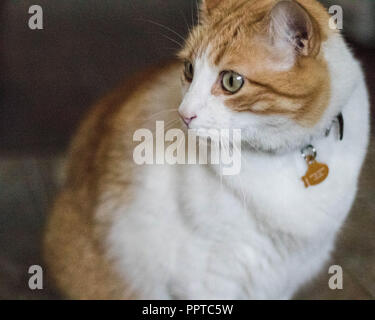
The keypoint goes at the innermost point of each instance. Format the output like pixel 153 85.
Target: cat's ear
pixel 207 6
pixel 291 25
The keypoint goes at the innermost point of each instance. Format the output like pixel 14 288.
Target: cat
pixel 276 71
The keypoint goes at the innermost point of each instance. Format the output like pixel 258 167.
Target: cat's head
pixel 258 66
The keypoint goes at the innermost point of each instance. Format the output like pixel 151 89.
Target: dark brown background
pixel 50 77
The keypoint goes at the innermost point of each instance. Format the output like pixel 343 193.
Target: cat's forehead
pixel 236 47
pixel 230 29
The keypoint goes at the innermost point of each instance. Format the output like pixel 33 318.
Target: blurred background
pixel 50 77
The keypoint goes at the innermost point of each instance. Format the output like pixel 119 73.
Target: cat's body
pixel 120 230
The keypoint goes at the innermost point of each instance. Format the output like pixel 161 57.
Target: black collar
pixel 339 119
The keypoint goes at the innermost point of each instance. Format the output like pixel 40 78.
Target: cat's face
pixel 257 66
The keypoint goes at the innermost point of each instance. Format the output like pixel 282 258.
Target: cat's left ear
pixel 292 26
pixel 207 6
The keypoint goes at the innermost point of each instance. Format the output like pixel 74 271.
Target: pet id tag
pixel 316 172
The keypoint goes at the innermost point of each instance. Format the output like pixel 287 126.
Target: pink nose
pixel 187 119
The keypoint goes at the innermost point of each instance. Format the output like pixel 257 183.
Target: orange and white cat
pixel 273 69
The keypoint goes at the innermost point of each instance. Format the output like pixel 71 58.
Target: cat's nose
pixel 187 118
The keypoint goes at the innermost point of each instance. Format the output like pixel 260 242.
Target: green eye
pixel 189 71
pixel 232 81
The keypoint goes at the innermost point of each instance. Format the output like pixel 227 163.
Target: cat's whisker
pixel 182 142
pixel 173 40
pixel 160 112
pixel 192 15
pixel 165 27
pixel 183 17
pixel 198 11
pixel 170 49
pixel 170 124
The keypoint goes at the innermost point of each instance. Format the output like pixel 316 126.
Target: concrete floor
pixel 28 185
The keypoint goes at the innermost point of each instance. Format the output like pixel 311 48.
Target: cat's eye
pixel 189 71
pixel 231 81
